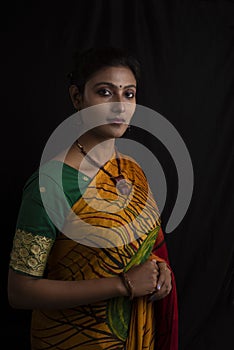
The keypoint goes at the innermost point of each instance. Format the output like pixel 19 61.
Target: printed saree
pixel 106 233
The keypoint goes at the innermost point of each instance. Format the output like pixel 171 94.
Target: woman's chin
pixel 113 130
pixel 117 129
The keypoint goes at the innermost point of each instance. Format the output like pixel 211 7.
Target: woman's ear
pixel 75 96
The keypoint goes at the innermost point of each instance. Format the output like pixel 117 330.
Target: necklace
pixel 119 181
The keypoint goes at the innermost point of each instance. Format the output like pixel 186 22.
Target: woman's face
pixel 112 90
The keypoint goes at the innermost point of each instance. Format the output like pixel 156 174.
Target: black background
pixel 187 54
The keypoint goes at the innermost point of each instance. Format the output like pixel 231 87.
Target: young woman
pixel 101 280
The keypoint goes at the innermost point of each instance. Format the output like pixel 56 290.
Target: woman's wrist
pixel 127 284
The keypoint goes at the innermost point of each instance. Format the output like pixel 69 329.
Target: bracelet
pixel 127 283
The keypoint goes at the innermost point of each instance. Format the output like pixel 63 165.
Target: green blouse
pixel 45 203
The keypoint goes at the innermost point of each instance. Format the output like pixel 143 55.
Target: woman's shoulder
pixel 52 170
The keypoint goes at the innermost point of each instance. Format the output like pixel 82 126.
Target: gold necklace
pixel 119 181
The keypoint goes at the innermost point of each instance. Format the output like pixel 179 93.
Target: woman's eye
pixel 104 92
pixel 129 94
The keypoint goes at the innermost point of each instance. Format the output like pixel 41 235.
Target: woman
pixel 99 278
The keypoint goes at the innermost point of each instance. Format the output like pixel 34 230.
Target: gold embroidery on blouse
pixel 30 252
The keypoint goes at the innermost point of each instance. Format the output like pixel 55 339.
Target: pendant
pixel 122 185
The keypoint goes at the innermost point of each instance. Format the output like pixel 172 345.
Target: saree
pixel 106 233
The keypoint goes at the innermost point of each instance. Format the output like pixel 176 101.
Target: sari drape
pixel 106 233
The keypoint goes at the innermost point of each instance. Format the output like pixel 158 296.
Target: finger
pixel 165 274
pixel 166 288
pixel 163 267
pixel 160 294
pixel 157 296
pixel 164 279
pixel 155 266
pixel 161 281
pixel 155 263
pixel 152 297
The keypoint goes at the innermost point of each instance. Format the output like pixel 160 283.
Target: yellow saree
pixel 105 233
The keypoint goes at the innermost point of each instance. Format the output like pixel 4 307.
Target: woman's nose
pixel 118 107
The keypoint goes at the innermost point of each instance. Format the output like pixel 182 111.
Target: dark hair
pixel 88 62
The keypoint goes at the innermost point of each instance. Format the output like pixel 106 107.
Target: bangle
pixel 127 283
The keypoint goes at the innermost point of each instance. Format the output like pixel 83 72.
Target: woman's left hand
pixel 164 284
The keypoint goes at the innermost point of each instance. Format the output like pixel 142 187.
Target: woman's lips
pixel 116 121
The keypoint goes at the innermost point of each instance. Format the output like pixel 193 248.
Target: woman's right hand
pixel 144 278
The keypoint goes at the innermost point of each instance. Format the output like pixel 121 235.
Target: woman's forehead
pixel 117 75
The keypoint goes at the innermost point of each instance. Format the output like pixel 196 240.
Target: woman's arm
pixel 25 292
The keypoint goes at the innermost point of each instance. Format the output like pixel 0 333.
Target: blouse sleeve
pixel 36 227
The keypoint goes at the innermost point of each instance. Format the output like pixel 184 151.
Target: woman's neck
pixel 99 150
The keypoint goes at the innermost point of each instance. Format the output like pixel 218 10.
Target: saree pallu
pixel 106 233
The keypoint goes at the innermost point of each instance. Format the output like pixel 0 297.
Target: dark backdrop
pixel 187 53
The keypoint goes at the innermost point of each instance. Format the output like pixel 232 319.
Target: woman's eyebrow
pixel 115 86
